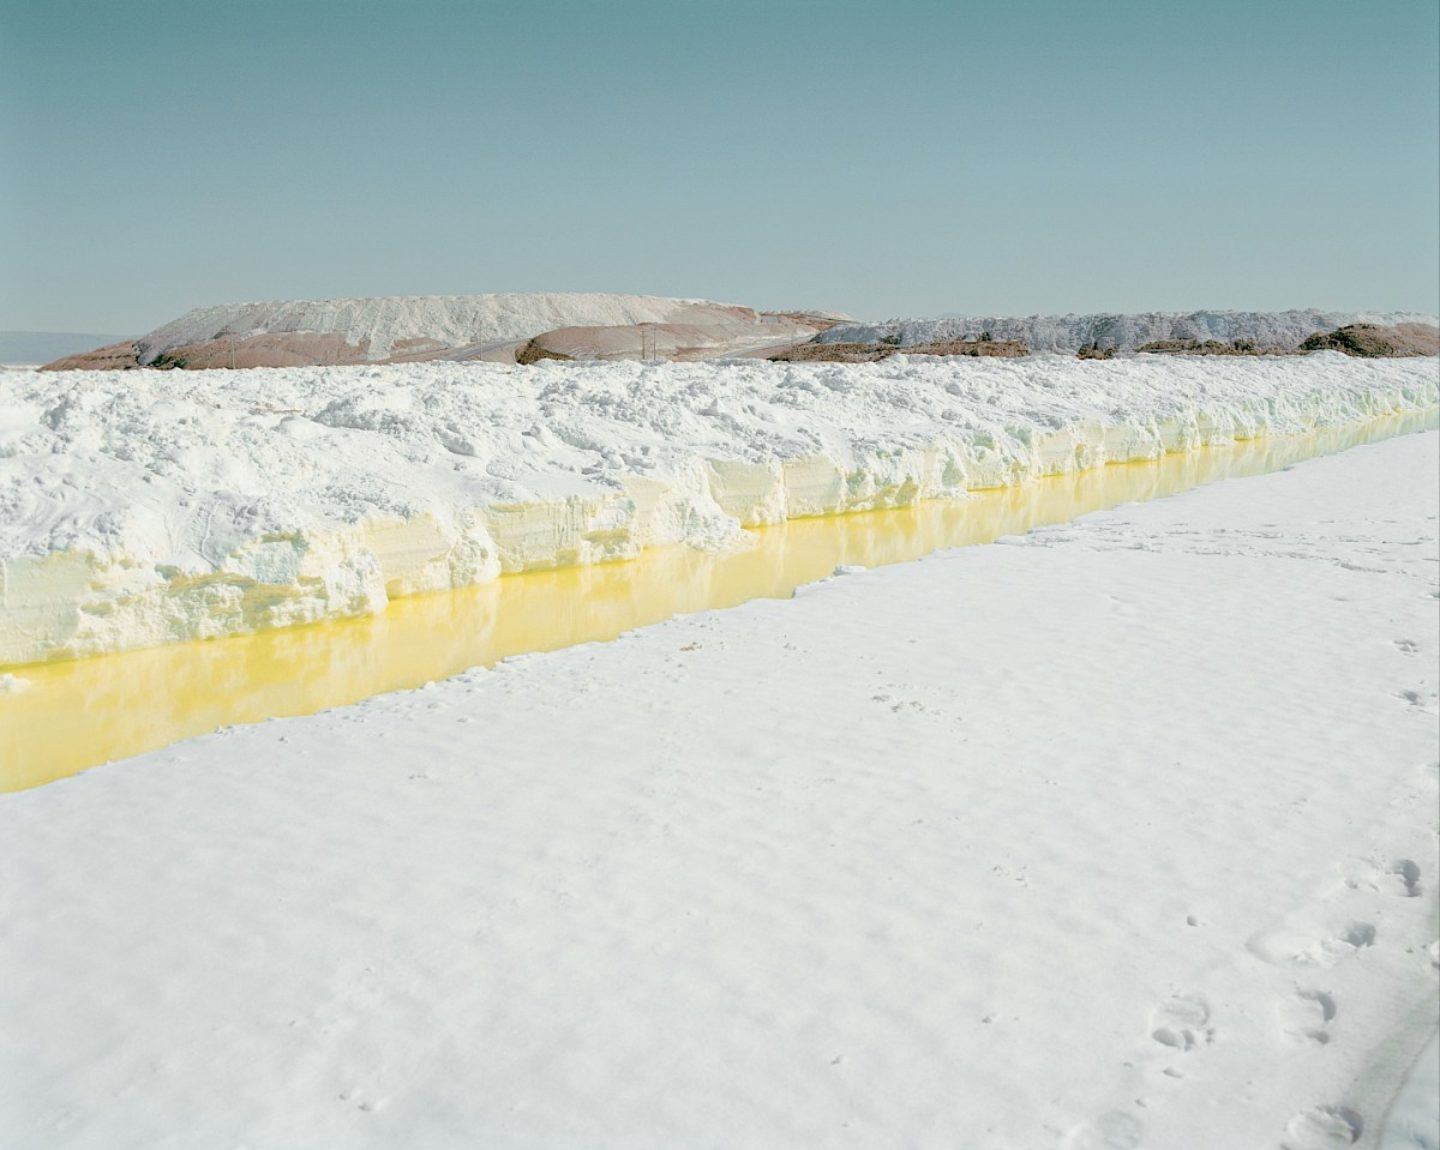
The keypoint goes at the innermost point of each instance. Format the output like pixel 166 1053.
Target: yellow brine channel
pixel 59 718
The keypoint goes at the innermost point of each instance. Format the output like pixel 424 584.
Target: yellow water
pixel 70 716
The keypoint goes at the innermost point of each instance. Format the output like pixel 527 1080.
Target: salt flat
pixel 1121 834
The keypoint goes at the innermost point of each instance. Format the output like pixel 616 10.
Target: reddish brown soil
pixel 114 357
pixel 1375 341
pixel 1209 347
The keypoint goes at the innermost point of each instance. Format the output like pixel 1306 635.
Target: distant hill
pixel 567 325
pixel 34 347
pixel 1122 332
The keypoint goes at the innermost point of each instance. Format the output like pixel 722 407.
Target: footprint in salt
pixel 1324 1128
pixel 1401 877
pixel 1305 1015
pixel 1409 874
pixel 1181 1023
pixel 1285 947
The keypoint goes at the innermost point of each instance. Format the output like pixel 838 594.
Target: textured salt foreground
pixel 1121 834
pixel 139 508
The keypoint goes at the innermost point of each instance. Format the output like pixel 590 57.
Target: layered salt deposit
pixel 145 507
pixel 1270 329
pixel 280 333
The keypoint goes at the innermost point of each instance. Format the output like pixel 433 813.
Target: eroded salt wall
pixel 140 508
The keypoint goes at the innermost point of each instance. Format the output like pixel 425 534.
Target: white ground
pixel 1120 835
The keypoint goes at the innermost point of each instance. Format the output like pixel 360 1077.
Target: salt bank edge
pixel 852 439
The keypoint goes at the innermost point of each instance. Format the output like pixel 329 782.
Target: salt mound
pixel 295 333
pixel 384 325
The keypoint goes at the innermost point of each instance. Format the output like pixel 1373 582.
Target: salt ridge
pixel 139 508
pixel 1271 329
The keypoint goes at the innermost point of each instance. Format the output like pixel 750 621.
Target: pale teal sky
pixel 886 158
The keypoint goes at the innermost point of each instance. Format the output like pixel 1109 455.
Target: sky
pixel 905 157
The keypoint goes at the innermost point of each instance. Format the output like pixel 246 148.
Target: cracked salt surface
pixel 1149 820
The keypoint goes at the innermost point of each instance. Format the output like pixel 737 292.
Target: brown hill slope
pixel 1375 341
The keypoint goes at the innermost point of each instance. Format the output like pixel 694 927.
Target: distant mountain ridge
pixel 1122 331
pixel 525 327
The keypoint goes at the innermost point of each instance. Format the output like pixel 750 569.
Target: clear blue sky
pixel 904 157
